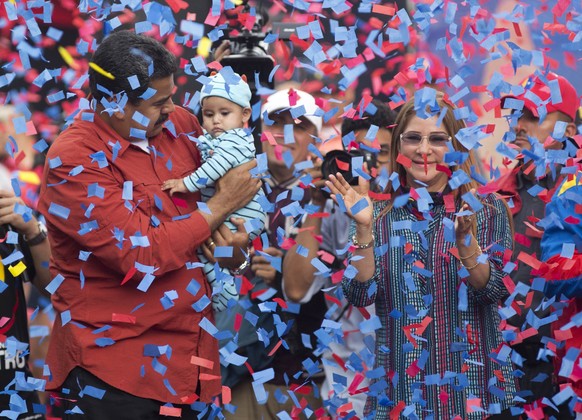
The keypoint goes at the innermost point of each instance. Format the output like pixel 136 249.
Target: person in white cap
pixel 225 144
pixel 276 339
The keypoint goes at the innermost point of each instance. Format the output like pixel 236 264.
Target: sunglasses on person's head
pixel 434 139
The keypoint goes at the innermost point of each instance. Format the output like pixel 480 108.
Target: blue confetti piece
pixel 359 206
pixel 99 158
pixel 93 391
pixel 102 329
pixel 158 203
pixel 16 187
pixel 137 307
pixel 133 82
pixel 65 317
pixel 127 193
pixel 473 202
pixel 463 297
pixel 143 26
pixel 141 119
pixel 192 28
pixel 148 93
pixel 146 282
pixel 19 124
pixel 159 367
pixel 203 207
pixel 193 287
pixel 54 284
pixel 208 326
pixel 40 146
pixel 94 190
pixel 76 170
pixel 12 237
pixel 169 387
pixel 201 304
pixel 137 133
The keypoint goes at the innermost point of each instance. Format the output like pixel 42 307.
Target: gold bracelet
pixel 358 245
pixel 472 267
pixel 479 250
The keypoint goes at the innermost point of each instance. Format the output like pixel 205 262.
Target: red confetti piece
pixel 364 313
pixel 395 412
pixel 199 361
pixel 170 411
pixel 384 10
pixel 129 275
pixel 333 299
pixel 345 409
pixel 443 397
pixel 272 352
pixel 403 160
pixel 189 399
pixel 180 202
pixel 226 395
pixel 281 302
pixel 237 322
pixel 442 168
pixel 177 5
pixel 249 368
pixel 337 277
pixel 128 319
pixel 246 286
pixel 379 196
pixel 339 361
pixel 413 369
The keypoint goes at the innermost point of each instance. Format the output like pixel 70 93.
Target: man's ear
pixel 571 130
pixel 246 114
pixel 119 115
pixel 244 77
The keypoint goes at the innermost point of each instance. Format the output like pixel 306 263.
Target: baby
pixel 225 102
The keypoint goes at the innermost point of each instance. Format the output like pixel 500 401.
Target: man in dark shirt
pixel 528 187
pixel 25 253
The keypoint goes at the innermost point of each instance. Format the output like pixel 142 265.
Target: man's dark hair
pixel 125 54
pixel 383 118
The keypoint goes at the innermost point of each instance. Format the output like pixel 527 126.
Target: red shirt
pixel 128 350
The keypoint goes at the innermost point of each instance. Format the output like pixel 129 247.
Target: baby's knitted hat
pixel 228 85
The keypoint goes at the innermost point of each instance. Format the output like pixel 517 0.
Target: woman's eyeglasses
pixel 434 139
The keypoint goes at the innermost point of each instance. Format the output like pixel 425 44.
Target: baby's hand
pixel 175 186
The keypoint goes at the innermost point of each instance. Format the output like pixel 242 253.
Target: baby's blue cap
pixel 228 85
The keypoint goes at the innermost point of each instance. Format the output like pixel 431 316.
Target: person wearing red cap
pixel 546 104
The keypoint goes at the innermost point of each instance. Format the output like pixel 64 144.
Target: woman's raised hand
pixel 358 204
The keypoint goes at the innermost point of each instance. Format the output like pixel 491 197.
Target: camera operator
pixel 300 280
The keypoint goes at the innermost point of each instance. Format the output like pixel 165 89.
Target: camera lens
pixel 339 161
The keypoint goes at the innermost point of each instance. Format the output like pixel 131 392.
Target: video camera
pixel 248 51
pixel 249 56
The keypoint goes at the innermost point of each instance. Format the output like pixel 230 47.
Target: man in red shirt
pixel 134 329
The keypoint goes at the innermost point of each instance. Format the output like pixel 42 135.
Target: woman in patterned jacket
pixel 431 259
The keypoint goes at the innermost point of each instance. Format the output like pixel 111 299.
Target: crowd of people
pixel 196 275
